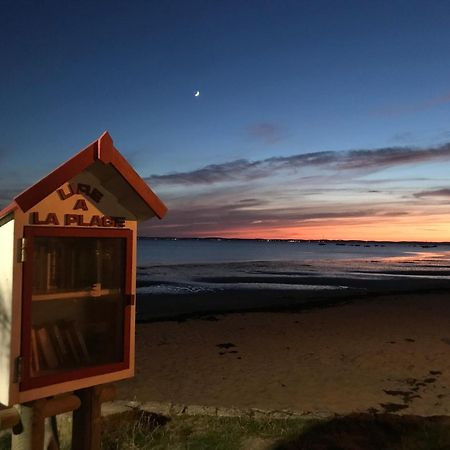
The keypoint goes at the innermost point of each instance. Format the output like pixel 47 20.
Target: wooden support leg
pixel 36 433
pixel 86 427
pixel 33 420
pixel 10 418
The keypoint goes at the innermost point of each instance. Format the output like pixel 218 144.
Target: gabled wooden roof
pixel 114 172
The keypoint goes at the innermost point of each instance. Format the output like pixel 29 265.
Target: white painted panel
pixel 6 281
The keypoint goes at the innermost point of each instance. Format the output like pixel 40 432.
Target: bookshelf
pixel 75 294
pixel 68 272
pixel 77 304
pixel 59 346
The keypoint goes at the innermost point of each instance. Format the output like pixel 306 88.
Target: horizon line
pixel 289 239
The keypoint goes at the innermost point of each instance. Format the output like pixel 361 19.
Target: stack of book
pixel 57 346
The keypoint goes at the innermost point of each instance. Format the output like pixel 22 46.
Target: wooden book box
pixel 68 276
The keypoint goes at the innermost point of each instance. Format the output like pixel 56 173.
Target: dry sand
pixel 386 354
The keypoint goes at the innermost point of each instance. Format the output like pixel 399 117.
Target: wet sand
pixel 388 353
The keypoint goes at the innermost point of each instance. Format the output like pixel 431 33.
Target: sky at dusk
pixel 315 119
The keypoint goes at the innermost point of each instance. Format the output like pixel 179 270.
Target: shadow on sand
pixel 373 432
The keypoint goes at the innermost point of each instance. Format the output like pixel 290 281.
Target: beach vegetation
pixel 144 430
pixel 195 432
pixel 139 430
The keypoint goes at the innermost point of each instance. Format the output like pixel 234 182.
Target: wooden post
pixel 9 418
pixel 86 427
pixel 37 433
pixel 33 420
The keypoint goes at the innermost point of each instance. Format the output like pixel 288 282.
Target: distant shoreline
pixel 318 241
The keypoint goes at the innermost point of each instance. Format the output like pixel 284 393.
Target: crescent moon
pixel 197 93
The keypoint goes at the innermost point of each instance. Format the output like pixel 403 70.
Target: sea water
pixel 204 251
pixel 192 266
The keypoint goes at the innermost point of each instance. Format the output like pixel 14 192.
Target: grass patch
pixel 352 432
pixel 193 432
pixel 138 430
pixel 5 442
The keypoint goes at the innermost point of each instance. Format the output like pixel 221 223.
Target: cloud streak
pixel 433 193
pixel 413 108
pixel 351 160
pixel 266 132
pixel 209 220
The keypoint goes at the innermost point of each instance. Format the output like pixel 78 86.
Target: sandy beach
pixel 389 353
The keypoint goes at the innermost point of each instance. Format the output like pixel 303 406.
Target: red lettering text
pixel 69 219
pixel 51 219
pixel 83 189
pixel 64 195
pixel 80 188
pixel 119 222
pixel 95 221
pixel 107 221
pixel 80 204
pixel 96 195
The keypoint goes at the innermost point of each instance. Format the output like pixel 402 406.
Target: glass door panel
pixel 78 298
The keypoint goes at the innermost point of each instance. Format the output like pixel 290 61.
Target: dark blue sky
pixel 277 78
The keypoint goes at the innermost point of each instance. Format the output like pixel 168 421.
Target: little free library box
pixel 68 276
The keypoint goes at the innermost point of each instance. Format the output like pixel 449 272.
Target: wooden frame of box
pixel 68 276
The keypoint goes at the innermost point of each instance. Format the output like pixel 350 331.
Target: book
pixel 81 342
pixel 47 349
pixel 60 344
pixel 35 357
pixel 73 351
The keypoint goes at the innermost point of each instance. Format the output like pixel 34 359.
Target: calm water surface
pixel 177 267
pixel 189 251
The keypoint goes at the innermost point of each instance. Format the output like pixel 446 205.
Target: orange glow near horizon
pixel 429 229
